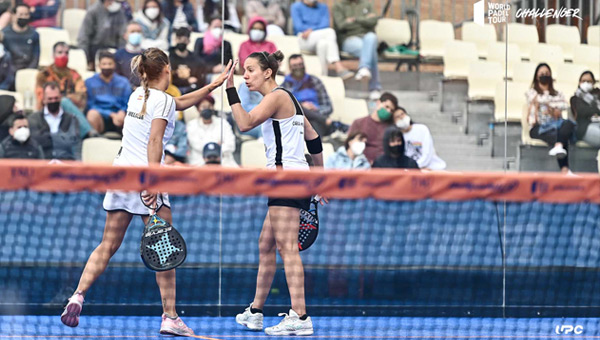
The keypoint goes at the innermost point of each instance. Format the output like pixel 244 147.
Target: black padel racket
pixel 162 247
pixel 309 226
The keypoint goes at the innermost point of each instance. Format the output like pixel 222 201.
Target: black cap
pixel 211 150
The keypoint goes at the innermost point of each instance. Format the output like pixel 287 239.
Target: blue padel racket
pixel 162 247
pixel 309 226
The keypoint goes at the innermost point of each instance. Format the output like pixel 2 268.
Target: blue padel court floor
pixel 221 328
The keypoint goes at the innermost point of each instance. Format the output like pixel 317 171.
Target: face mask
pixel 135 38
pixel 586 87
pixel 298 72
pixel 403 123
pixel 311 2
pixel 213 161
pixel 1 51
pixel 545 80
pixel 22 22
pixel 22 134
pixel 53 107
pixel 216 32
pixel 107 72
pixel 152 12
pixel 206 114
pixel 181 47
pixel 61 61
pixel 114 7
pixel 383 114
pixel 257 35
pixel 358 148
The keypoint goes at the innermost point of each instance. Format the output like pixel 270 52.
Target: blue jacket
pixel 108 97
pixel 7 72
pixel 305 17
pixel 340 160
pixel 188 10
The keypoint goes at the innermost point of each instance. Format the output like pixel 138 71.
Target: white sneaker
pixel 291 325
pixel 375 95
pixel 249 320
pixel 558 151
pixel 363 73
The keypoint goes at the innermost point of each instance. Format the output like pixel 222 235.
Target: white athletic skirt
pixel 131 202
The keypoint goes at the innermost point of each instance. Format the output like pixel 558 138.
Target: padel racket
pixel 309 226
pixel 162 247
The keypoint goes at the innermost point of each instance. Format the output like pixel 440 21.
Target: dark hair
pixel 388 96
pixel 353 135
pixel 160 10
pixel 106 54
pixel 52 85
pixel 208 98
pixel 536 84
pixel 182 32
pixel 21 4
pixel 587 72
pixel 268 61
pixel 13 118
pixel 59 44
pixel 210 11
pixel 295 56
pixel 148 66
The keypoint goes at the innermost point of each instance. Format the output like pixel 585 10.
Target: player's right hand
pixel 149 198
pixel 219 80
pixel 230 75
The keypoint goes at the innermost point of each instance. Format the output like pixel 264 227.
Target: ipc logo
pixel 569 329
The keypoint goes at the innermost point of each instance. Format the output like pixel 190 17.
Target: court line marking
pixel 99 336
pixel 581 336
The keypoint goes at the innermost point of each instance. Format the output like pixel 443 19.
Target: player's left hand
pixel 149 198
pixel 219 80
pixel 230 75
pixel 322 199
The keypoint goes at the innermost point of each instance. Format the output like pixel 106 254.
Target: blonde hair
pixel 148 66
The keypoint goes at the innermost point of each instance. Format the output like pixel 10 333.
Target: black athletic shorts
pixel 300 203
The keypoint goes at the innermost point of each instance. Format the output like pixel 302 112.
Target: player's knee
pixel 287 249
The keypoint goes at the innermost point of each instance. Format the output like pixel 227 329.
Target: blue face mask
pixel 135 38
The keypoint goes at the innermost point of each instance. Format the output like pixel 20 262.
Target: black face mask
pixel 213 161
pixel 545 80
pixel 396 150
pixel 22 22
pixel 181 47
pixel 206 114
pixel 53 107
pixel 107 72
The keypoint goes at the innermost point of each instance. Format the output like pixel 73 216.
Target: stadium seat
pixel 524 72
pixel 313 65
pixel 352 110
pixel 72 20
pixel 549 54
pixel 78 60
pixel 193 37
pixel 25 85
pixel 515 97
pixel 482 77
pixel 497 52
pixel 288 44
pixel 525 36
pixel 235 40
pixel 567 75
pixel 49 37
pixel 593 35
pixel 480 36
pixel 525 138
pixel 393 31
pixel 17 95
pixel 567 37
pixel 253 154
pixel 87 75
pixel 336 91
pixel 457 57
pixel 433 35
pixel 589 56
pixel 99 150
pixel 190 114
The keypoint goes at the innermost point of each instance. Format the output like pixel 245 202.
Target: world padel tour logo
pixel 499 13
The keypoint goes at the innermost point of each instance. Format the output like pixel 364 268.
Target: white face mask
pixel 22 134
pixel 358 148
pixel 403 123
pixel 216 32
pixel 2 53
pixel 586 87
pixel 114 7
pixel 257 35
pixel 152 12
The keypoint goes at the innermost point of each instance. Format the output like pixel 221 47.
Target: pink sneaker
pixel 70 316
pixel 174 327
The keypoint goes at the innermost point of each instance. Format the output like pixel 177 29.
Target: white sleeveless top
pixel 136 129
pixel 284 139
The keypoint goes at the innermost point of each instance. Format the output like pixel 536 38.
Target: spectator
pixel 43 12
pixel 211 8
pixel 126 9
pixel 311 25
pixel 123 56
pixel 249 100
pixel 272 11
pixel 108 94
pixel 311 94
pixel 208 48
pixel 257 31
pixel 212 154
pixel 180 13
pixel 354 22
pixel 394 157
pixel 8 107
pixel 188 69
pixel 55 130
pixel 374 125
pixel 103 27
pixel 351 155
pixel 21 40
pixel 207 128
pixel 5 13
pixel 545 106
pixel 176 149
pixel 155 27
pixel 7 68
pixel 19 144
pixel 418 142
pixel 585 105
pixel 71 85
